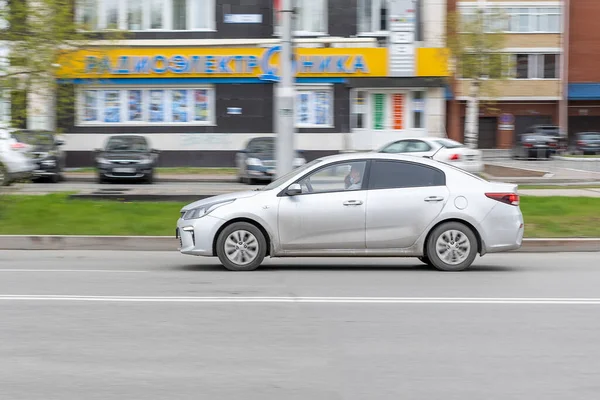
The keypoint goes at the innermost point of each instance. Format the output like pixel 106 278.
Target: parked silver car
pixel 15 162
pixel 361 204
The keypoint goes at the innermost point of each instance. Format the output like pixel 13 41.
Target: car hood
pixel 219 198
pixel 125 155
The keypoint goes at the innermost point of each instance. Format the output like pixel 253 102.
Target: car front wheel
pixel 241 247
pixel 452 246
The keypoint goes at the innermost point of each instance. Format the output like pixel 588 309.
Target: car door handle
pixel 353 203
pixel 433 199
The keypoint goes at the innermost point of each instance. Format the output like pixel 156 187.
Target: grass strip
pixel 56 214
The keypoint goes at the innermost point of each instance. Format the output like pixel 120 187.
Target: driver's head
pixel 355 174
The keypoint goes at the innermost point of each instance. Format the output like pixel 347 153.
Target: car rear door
pixel 402 201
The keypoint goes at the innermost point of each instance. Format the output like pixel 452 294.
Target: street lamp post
pixel 284 94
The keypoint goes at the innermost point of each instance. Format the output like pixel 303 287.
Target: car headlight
pixel 254 161
pixel 203 210
pixel 102 160
pixel 299 161
pixel 147 160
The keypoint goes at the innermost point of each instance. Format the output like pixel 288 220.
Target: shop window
pixel 418 108
pixel 136 106
pixel 310 17
pixel 314 108
pixel 359 109
pixel 388 111
pixel 146 15
pixel 372 16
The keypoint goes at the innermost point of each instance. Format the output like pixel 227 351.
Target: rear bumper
pixel 503 229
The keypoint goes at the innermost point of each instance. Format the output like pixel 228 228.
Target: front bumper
pixel 260 172
pixel 113 171
pixel 196 237
pixel 48 167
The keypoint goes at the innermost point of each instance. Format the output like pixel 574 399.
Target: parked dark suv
pixel 126 157
pixel 46 151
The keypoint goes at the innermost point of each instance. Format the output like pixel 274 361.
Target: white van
pixel 15 163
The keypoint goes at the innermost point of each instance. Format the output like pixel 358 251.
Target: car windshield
pixel 43 139
pixel 590 136
pixel 266 145
pixel 449 144
pixel 278 182
pixel 129 143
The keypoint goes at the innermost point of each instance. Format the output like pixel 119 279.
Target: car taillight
pixel 17 146
pixel 580 143
pixel 552 144
pixel 454 157
pixel 507 198
pixel 527 145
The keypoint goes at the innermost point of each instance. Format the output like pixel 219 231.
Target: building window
pixel 138 15
pixel 372 16
pixel 136 106
pixel 314 108
pixel 418 108
pixel 310 17
pixel 537 66
pixel 519 19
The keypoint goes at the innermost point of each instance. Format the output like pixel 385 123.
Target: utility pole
pixel 563 115
pixel 285 95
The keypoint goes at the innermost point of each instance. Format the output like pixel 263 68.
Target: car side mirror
pixel 294 189
pixel 97 151
pixel 155 151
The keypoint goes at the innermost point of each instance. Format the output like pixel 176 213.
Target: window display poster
pixel 322 108
pixel 90 105
pixel 398 111
pixel 135 105
pixel 157 106
pixel 112 106
pixel 201 105
pixel 179 105
pixel 303 108
pixel 378 112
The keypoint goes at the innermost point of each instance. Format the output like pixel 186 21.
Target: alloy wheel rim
pixel 241 247
pixel 453 247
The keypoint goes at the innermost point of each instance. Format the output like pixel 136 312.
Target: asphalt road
pixel 127 325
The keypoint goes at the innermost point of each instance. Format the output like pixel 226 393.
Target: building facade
pixel 532 91
pixel 197 77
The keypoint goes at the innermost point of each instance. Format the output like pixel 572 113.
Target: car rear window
pixel 449 144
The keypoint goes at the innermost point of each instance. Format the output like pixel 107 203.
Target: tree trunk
pixel 472 117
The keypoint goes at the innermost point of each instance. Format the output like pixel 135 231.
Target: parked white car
pixel 15 162
pixel 358 204
pixel 441 149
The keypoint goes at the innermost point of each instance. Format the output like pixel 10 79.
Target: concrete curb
pixel 577 159
pixel 168 243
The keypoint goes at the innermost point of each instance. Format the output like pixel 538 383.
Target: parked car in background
pixel 396 206
pixel 126 157
pixel 441 149
pixel 553 132
pixel 588 143
pixel 534 145
pixel 15 163
pixel 256 162
pixel 45 148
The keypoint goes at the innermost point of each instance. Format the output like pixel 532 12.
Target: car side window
pixel 396 147
pixel 335 178
pixel 399 174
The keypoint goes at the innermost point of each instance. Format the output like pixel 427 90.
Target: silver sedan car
pixel 358 205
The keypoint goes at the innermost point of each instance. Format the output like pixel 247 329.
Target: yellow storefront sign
pixel 432 62
pixel 258 63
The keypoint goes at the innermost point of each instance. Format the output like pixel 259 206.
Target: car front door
pixel 402 201
pixel 329 214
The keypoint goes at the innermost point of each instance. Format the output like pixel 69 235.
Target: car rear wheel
pixel 452 246
pixel 241 247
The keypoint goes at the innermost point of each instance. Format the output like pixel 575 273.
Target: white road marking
pixel 322 300
pixel 71 270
